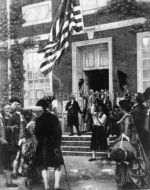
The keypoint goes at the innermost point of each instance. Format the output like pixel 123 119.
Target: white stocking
pixel 93 154
pixel 15 166
pixel 21 165
pixel 57 174
pixel 45 179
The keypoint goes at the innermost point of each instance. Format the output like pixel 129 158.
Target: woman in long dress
pixel 99 139
pixel 133 174
pixel 29 150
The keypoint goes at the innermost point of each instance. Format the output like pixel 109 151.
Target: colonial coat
pixel 19 132
pixel 73 110
pixel 48 134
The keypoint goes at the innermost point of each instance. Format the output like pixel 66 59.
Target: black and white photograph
pixel 74 94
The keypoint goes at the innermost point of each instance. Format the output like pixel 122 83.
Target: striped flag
pixel 68 19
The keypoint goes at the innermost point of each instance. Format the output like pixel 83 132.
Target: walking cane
pixel 66 172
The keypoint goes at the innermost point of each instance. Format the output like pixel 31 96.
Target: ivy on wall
pixel 17 69
pixel 3 21
pixel 16 51
pixel 125 8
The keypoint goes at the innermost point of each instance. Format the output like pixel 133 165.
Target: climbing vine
pixel 125 8
pixel 16 51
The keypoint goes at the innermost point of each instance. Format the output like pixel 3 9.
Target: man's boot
pixel 9 182
pixel 78 132
pixel 71 130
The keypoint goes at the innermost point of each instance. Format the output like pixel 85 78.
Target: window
pixel 143 66
pixel 89 7
pixel 96 57
pixel 36 85
pixel 37 13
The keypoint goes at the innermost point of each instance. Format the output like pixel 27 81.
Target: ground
pixel 81 173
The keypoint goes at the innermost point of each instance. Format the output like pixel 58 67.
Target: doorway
pixel 97 79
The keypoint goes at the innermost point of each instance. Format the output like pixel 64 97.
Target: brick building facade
pixel 105 46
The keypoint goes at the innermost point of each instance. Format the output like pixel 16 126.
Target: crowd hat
pixel 45 101
pixel 15 99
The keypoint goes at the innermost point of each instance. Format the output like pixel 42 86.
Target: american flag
pixel 68 19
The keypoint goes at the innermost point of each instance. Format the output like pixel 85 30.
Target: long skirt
pixel 99 139
pixel 134 174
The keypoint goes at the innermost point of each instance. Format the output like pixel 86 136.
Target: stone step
pixel 80 138
pixel 80 143
pixel 76 138
pixel 76 148
pixel 88 154
pixel 76 143
pixel 80 146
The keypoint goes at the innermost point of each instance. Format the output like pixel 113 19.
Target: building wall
pixel 124 53
pixel 123 45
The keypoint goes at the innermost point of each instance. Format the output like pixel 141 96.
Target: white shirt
pixel 98 119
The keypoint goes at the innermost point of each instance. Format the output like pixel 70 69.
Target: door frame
pixel 76 58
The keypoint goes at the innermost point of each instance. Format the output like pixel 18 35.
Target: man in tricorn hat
pixel 48 134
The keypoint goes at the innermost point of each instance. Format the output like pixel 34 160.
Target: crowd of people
pixel 30 143
pixel 30 139
pixel 128 123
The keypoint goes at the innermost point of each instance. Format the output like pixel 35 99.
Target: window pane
pixel 43 12
pixel 37 13
pixel 92 5
pixel 146 74
pixel 40 57
pixel 35 59
pixel 36 83
pixel 146 84
pixel 102 3
pixel 146 53
pixel 29 75
pixel 146 64
pixel 39 93
pixel 103 59
pixel 146 42
pixel 31 93
pixel 47 85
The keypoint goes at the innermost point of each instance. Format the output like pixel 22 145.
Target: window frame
pixel 40 21
pixel 140 80
pixel 26 83
pixel 93 10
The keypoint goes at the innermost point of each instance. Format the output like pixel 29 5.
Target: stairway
pixel 79 146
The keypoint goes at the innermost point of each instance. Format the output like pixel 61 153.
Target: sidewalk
pixel 82 174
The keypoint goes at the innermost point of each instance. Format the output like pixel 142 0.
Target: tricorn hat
pixel 45 101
